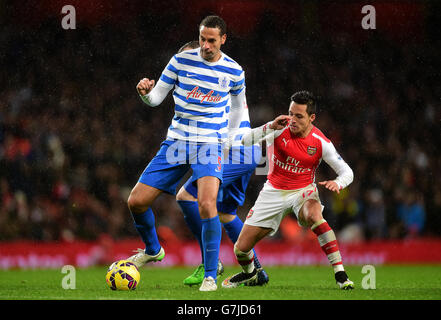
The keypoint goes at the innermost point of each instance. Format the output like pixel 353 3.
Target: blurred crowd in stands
pixel 74 135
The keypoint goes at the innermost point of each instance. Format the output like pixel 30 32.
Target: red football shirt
pixel 293 161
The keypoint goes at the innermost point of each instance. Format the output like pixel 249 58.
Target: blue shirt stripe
pixel 198 76
pixel 199 113
pixel 171 68
pixel 245 124
pixel 237 83
pixel 201 124
pixel 188 62
pixel 167 80
pixel 183 133
pixel 236 92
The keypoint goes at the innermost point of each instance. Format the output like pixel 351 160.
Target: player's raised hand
pixel 145 86
pixel 330 185
pixel 280 122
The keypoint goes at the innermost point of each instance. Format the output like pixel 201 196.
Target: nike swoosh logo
pixel 189 75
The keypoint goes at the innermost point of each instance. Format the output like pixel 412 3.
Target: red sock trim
pixel 245 262
pixel 322 228
pixel 330 247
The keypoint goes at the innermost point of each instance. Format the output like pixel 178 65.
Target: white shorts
pixel 272 205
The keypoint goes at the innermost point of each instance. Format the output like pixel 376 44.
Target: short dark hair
pixel 214 22
pixel 305 97
pixel 192 45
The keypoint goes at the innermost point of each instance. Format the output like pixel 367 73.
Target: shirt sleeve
pixel 257 135
pixel 237 106
pixel 169 75
pixel 156 96
pixel 238 85
pixel 345 175
pixel 238 101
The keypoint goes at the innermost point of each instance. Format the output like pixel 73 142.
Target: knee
pixel 242 246
pixel 237 248
pixel 136 204
pixel 311 212
pixel 207 207
pixel 180 195
pixel 226 217
pixel 244 242
pixel 183 195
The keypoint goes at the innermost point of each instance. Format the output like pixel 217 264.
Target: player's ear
pixel 223 39
pixel 312 117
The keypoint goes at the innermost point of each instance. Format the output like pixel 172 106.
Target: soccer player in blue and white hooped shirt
pixel 209 89
pixel 240 163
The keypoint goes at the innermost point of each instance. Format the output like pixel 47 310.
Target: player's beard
pixel 209 56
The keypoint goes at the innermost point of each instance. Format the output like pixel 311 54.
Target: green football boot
pixel 197 276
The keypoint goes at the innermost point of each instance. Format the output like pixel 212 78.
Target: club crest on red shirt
pixel 311 150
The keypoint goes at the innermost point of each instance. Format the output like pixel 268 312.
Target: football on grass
pixel 123 275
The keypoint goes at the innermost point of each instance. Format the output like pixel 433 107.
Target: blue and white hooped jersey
pixel 202 95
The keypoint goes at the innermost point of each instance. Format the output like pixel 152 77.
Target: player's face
pixel 301 122
pixel 211 41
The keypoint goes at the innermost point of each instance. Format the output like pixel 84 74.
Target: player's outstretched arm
pixel 272 128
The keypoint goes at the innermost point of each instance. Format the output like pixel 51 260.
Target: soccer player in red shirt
pixel 295 149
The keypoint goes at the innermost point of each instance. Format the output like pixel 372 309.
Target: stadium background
pixel 74 136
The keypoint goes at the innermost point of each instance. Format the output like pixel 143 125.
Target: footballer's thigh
pixel 307 206
pixel 269 209
pixel 142 197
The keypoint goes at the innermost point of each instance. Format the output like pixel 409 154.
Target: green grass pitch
pixel 397 282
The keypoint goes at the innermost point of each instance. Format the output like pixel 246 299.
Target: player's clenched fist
pixel 280 122
pixel 145 86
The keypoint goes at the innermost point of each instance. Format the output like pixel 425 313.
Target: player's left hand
pixel 280 122
pixel 330 185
